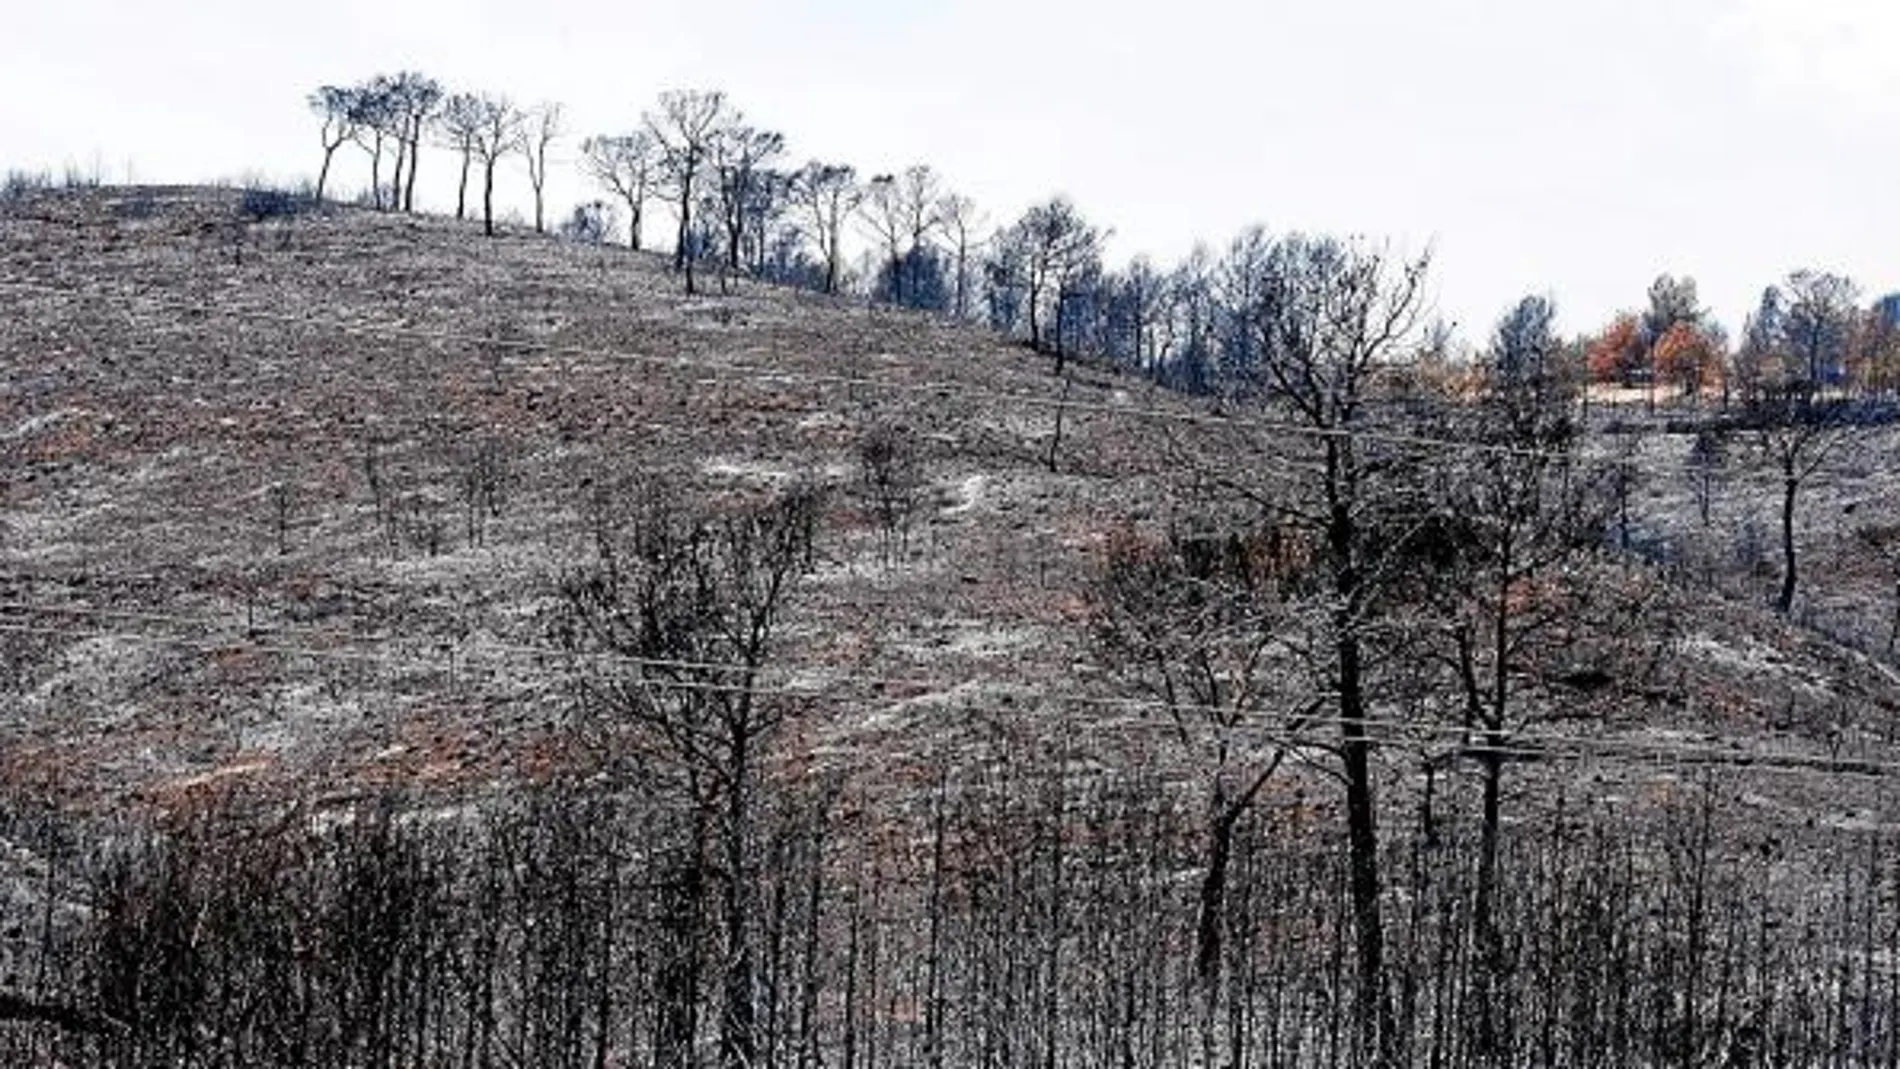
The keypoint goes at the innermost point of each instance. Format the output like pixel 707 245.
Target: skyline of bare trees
pixel 1043 275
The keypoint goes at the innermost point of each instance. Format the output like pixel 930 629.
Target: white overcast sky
pixel 1570 147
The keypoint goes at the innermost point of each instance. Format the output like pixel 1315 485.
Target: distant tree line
pixel 741 210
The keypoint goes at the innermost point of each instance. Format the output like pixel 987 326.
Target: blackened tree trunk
pixel 323 175
pixel 1491 964
pixel 461 187
pixel 1485 713
pixel 1893 630
pixel 396 179
pixel 1789 486
pixel 1375 1035
pixel 682 251
pixel 488 199
pixel 1211 922
pixel 1061 303
pixel 1375 1026
pixel 933 948
pixel 1799 434
pixel 738 1039
pixel 735 224
pixel 1033 294
pixel 677 983
pixel 376 173
pixel 415 154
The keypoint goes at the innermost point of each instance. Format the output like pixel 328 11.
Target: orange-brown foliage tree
pixel 1616 355
pixel 1689 357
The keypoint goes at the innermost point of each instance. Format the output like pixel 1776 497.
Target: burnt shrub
pixel 261 203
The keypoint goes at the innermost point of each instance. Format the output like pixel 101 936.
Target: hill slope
pixel 240 540
pixel 242 458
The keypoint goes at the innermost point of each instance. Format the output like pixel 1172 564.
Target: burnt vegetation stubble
pixel 1304 848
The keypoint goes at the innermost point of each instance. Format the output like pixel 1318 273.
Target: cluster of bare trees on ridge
pixel 741 211
pixel 691 892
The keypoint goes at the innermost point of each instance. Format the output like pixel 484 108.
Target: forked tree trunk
pixel 1227 813
pixel 395 182
pixel 685 230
